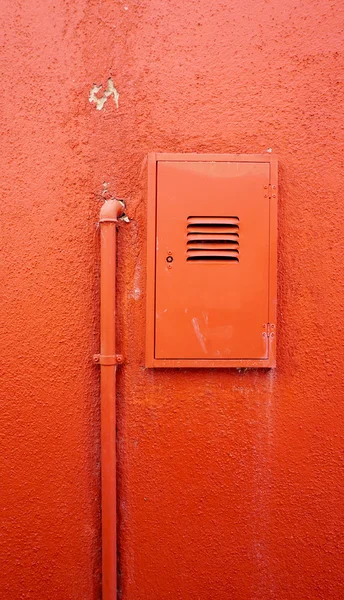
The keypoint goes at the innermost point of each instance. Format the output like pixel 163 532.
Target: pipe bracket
pixel 102 359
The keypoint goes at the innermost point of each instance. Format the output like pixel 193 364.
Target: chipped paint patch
pixel 110 91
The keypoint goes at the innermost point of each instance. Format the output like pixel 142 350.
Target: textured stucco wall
pixel 230 482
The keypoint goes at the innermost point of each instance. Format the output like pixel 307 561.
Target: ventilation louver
pixel 214 239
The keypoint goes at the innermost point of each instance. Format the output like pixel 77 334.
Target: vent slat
pixel 213 220
pixel 213 258
pixel 212 229
pixel 208 245
pixel 200 252
pixel 213 239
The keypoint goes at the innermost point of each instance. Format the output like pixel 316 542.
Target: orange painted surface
pixel 230 482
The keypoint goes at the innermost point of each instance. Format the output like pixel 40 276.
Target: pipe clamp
pixel 102 359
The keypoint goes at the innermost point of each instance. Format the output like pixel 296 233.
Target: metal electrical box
pixel 211 270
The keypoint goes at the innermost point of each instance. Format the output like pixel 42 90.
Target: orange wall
pixel 230 482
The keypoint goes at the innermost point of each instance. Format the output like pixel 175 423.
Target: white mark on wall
pixel 199 334
pixel 268 408
pixel 263 391
pixel 110 91
pixel 136 291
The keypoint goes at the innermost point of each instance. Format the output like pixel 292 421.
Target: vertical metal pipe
pixel 108 361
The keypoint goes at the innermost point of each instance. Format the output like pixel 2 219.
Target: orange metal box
pixel 211 285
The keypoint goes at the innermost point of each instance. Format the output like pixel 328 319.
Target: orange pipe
pixel 108 360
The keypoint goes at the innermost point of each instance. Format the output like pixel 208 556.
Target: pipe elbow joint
pixel 111 211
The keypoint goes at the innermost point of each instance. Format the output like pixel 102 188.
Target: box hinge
pixel 270 329
pixel 272 191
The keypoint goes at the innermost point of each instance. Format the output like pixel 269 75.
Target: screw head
pixel 119 358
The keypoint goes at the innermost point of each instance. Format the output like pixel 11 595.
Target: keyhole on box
pixel 169 259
